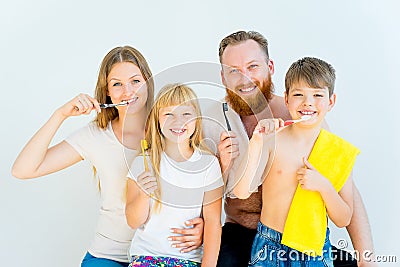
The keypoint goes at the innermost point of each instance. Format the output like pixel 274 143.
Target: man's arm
pixel 360 232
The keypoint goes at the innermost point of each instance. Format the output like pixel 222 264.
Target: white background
pixel 51 50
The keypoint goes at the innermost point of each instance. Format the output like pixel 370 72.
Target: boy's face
pixel 315 102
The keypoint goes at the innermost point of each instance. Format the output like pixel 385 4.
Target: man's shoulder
pixel 278 107
pixel 213 108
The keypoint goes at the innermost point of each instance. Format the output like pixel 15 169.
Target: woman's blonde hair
pixel 171 95
pixel 118 55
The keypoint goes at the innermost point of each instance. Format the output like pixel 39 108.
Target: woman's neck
pixel 130 129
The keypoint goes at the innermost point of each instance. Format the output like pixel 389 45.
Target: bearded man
pixel 246 72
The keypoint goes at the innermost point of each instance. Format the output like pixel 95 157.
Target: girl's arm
pixel 36 158
pixel 256 158
pixel 137 207
pixel 212 226
pixel 339 206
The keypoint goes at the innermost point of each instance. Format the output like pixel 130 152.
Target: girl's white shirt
pixel 111 160
pixel 183 185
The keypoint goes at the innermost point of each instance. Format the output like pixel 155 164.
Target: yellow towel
pixel 306 224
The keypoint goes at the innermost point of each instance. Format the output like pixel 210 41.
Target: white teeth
pixel 309 113
pixel 131 100
pixel 178 131
pixel 247 89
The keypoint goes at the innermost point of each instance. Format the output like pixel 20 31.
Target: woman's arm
pixel 212 206
pixel 36 158
pixel 137 207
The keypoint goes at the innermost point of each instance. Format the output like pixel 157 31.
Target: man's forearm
pixel 360 232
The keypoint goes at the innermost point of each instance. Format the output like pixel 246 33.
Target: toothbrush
pixel 145 146
pixel 303 118
pixel 123 103
pixel 225 109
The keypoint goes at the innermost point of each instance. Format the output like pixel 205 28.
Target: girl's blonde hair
pixel 171 95
pixel 114 56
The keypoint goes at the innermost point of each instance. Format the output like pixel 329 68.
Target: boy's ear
pixel 332 101
pixel 286 99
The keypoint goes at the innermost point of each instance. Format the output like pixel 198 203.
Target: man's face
pixel 247 77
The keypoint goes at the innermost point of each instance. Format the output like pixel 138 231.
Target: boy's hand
pixel 147 182
pixel 228 150
pixel 189 238
pixel 310 179
pixel 266 127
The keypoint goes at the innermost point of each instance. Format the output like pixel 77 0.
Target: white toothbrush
pixel 303 118
pixel 123 103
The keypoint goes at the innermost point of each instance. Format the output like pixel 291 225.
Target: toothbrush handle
pixel 227 123
pixel 287 123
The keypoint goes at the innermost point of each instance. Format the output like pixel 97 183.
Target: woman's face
pixel 125 82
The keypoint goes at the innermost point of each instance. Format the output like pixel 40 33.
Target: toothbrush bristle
pixel 225 106
pixel 144 144
pixel 306 117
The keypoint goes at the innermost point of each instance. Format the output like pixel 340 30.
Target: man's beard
pixel 254 104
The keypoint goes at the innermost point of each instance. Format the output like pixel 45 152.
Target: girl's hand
pixel 81 104
pixel 310 179
pixel 147 182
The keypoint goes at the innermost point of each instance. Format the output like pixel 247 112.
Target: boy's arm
pixel 212 207
pixel 256 158
pixel 339 206
pixel 253 167
pixel 360 232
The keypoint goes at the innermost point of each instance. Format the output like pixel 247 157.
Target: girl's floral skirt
pixel 154 261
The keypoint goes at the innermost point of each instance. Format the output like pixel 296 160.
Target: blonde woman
pixel 113 137
pixel 183 181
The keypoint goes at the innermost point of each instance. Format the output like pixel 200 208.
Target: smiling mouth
pixel 177 131
pixel 247 89
pixel 132 100
pixel 306 113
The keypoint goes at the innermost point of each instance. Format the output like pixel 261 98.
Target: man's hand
pixel 188 238
pixel 228 150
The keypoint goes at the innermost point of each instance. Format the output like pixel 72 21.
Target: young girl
pixel 108 143
pixel 184 179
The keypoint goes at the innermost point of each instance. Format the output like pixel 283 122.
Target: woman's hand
pixel 81 104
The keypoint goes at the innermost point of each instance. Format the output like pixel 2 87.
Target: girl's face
pixel 315 102
pixel 125 82
pixel 177 123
